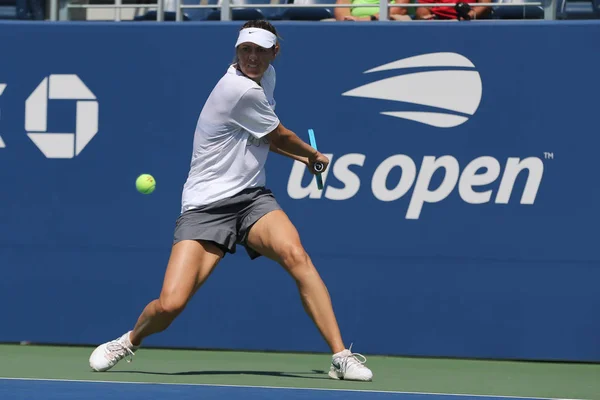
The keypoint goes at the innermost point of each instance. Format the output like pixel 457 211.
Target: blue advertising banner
pixel 458 217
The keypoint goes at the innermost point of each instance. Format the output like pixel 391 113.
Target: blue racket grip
pixel 317 166
pixel 319 178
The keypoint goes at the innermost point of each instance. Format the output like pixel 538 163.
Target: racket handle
pixel 319 167
pixel 319 182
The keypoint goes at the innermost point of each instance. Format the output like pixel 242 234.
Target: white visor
pixel 258 36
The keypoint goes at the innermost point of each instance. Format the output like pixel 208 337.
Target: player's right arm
pixel 286 140
pixel 275 149
pixel 254 114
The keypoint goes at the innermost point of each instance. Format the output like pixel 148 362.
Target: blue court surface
pixel 34 389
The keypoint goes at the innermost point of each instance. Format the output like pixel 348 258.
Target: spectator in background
pixel 450 11
pixel 368 13
pixel 31 9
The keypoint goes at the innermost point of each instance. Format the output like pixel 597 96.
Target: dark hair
pixel 261 24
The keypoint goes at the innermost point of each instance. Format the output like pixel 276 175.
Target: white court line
pixel 286 388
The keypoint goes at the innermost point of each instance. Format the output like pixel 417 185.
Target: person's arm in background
pixel 398 10
pixel 480 12
pixel 424 13
pixel 345 14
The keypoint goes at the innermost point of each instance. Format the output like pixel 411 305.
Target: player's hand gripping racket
pixel 317 166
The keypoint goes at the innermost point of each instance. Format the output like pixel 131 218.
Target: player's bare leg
pixel 190 264
pixel 275 237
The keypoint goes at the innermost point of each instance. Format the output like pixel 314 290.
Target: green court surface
pixel 397 374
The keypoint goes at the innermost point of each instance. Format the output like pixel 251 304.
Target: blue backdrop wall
pixel 459 217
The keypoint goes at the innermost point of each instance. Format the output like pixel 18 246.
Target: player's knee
pixel 171 304
pixel 294 258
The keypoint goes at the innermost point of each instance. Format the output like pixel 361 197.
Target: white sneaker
pixel 107 355
pixel 347 365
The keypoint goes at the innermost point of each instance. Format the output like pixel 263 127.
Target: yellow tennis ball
pixel 145 184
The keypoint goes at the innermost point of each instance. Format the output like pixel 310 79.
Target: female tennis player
pixel 225 202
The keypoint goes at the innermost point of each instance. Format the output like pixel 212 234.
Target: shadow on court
pixel 303 375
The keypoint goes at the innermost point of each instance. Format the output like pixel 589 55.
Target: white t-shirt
pixel 230 149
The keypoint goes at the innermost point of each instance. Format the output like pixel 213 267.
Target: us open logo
pixel 453 94
pixel 61 87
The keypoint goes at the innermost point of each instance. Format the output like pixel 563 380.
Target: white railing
pixel 549 7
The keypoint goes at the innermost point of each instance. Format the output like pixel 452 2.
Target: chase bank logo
pixel 454 94
pixel 61 87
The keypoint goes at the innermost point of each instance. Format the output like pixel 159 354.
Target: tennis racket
pixel 317 166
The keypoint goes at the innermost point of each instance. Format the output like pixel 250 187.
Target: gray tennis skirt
pixel 227 222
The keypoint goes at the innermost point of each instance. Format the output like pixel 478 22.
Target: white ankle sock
pixel 341 353
pixel 127 341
